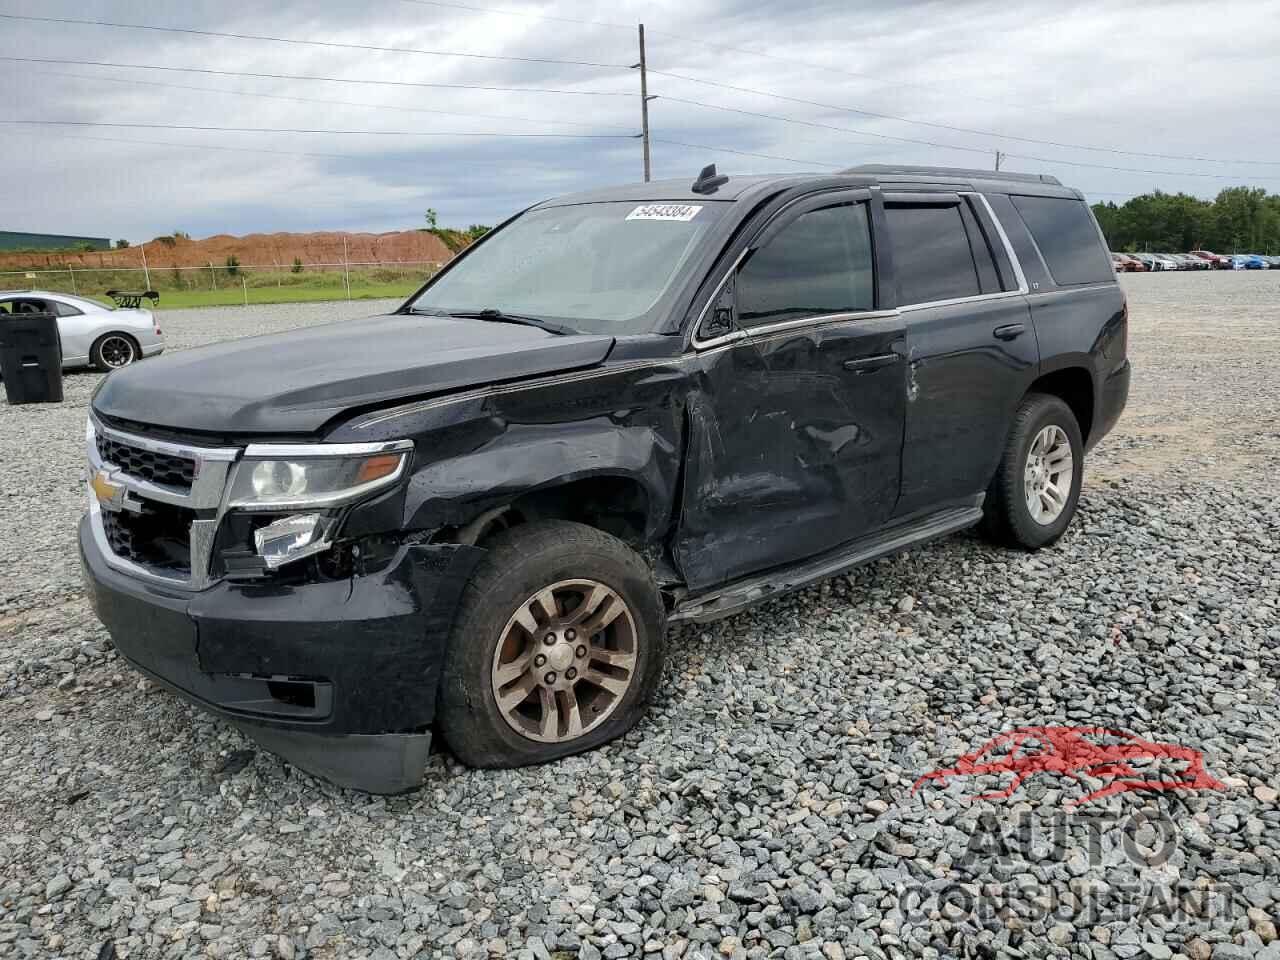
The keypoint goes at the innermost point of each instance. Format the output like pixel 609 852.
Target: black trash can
pixel 31 358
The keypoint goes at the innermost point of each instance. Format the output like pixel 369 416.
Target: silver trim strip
pixel 163 446
pixel 980 298
pixel 1021 277
pixel 725 338
pixel 302 451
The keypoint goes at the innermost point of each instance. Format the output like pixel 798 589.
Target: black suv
pixel 620 410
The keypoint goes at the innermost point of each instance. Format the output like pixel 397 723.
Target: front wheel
pixel 556 649
pixel 1033 497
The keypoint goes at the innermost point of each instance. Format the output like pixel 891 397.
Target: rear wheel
pixel 114 350
pixel 1036 488
pixel 557 647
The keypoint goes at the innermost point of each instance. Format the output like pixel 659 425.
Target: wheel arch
pixel 617 475
pixel 616 503
pixel 1075 387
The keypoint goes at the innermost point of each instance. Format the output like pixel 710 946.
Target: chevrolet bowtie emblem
pixel 106 490
pixel 112 496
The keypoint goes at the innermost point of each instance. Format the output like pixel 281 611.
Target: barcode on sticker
pixel 665 211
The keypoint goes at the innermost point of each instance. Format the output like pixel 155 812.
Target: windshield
pixel 593 267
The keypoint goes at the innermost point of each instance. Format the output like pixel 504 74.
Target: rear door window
pixel 931 253
pixel 1068 240
pixel 817 265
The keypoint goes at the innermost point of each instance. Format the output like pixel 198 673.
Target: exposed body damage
pixel 739 450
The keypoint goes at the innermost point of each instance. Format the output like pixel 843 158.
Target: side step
pixel 736 597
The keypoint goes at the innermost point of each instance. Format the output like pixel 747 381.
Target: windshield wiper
pixel 493 315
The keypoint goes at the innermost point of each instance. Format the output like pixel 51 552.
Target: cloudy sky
pixel 1041 82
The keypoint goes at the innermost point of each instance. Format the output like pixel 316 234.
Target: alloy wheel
pixel 116 351
pixel 1048 475
pixel 565 659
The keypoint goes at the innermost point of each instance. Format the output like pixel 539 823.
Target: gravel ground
pixel 765 807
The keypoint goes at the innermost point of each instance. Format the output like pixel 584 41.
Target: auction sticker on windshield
pixel 683 212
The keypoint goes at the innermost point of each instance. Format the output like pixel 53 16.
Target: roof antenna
pixel 708 181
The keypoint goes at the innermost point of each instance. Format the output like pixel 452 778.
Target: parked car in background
pixel 1191 262
pixel 1274 261
pixel 1169 261
pixel 637 406
pixel 92 333
pixel 1249 261
pixel 1151 261
pixel 1121 263
pixel 1133 264
pixel 1218 261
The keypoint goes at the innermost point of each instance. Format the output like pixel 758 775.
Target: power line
pixel 952 146
pixel 701 42
pixel 747 153
pixel 338 103
pixel 310 130
pixel 193 146
pixel 1158 173
pixel 955 129
pixel 292 76
pixel 823 126
pixel 523 13
pixel 333 44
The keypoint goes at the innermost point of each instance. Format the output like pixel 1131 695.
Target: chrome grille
pixel 149 465
pixel 161 521
pixel 158 537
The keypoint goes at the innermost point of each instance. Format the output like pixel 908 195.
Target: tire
pixel 490 649
pixel 1007 514
pixel 115 356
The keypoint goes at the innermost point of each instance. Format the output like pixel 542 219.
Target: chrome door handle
pixel 867 364
pixel 1010 331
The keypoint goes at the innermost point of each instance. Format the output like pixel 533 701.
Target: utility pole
pixel 999 159
pixel 644 104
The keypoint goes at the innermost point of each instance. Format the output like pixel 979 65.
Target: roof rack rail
pixel 877 168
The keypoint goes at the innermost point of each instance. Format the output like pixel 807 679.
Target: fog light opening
pixel 292 538
pixel 294 694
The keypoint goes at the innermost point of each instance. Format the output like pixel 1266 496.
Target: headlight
pixel 300 476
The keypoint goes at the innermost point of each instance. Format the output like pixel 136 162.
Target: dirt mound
pixel 256 249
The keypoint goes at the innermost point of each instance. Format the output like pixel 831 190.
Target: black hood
pixel 294 383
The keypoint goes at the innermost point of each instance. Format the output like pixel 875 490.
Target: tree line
pixel 1238 220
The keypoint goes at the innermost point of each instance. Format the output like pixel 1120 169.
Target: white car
pixel 92 333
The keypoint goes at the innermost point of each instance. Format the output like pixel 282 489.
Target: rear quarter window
pixel 1068 240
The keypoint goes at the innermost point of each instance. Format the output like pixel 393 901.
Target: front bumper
pixel 337 677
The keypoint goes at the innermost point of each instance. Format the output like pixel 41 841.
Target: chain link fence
pixel 231 282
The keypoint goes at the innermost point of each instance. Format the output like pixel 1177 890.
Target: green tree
pixel 432 218
pixel 1239 219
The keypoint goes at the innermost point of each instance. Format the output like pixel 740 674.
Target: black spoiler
pixel 132 301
